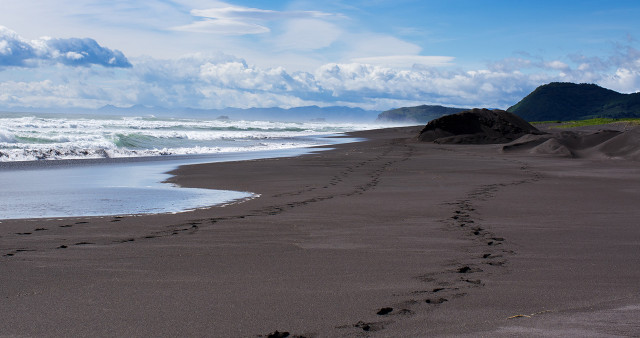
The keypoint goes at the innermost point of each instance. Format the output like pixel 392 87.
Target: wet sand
pixel 388 237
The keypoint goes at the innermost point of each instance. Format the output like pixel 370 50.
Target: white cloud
pixel 218 81
pixel 625 79
pixel 556 64
pixel 223 27
pixel 17 51
pixel 227 11
pixel 511 64
pixel 308 34
pixel 228 19
pixel 14 50
pixel 376 45
pixel 76 56
pixel 237 75
pixel 406 61
pixel 46 94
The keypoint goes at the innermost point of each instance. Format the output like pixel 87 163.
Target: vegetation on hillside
pixel 558 101
pixel 419 114
pixel 588 122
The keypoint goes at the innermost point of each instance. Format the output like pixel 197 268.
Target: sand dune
pixel 581 144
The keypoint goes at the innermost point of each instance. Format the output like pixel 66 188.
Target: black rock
pixel 477 126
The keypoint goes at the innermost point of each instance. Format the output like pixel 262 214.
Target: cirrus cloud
pixel 227 19
pixel 406 61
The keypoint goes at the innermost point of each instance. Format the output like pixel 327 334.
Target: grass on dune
pixel 589 122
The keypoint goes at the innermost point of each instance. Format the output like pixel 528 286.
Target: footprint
pixel 405 312
pixel 369 327
pixel 464 269
pixel 436 301
pixel 277 334
pixel 384 311
pixel 474 281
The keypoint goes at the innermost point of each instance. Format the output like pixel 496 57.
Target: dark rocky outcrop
pixel 477 126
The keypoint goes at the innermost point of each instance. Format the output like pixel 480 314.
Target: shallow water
pixel 103 187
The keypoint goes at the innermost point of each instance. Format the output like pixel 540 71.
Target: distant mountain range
pixel 556 101
pixel 418 115
pixel 297 114
pixel 561 101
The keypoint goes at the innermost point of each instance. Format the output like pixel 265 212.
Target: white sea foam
pixel 6 137
pixel 29 138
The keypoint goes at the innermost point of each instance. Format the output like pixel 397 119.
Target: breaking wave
pixel 33 137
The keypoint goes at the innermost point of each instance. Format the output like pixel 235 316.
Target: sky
pixel 375 54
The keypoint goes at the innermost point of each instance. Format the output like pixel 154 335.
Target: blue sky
pixel 375 54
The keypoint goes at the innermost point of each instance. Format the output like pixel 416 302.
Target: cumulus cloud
pixel 82 52
pixel 223 81
pixel 14 50
pixel 364 84
pixel 17 51
pixel 557 65
pixel 218 81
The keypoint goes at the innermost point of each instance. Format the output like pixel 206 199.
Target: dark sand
pixel 388 237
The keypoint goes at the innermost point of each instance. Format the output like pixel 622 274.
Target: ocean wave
pixel 41 140
pixel 7 137
pixel 30 138
pixel 14 155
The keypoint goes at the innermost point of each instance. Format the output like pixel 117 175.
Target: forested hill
pixel 418 115
pixel 561 101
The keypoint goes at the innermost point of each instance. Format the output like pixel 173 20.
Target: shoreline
pixel 386 237
pixel 50 189
pixel 187 159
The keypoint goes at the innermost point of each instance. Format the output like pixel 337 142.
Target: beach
pixel 388 237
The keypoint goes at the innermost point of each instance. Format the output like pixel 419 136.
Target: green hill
pixel 561 101
pixel 418 115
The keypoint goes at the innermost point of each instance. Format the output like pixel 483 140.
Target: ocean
pixel 32 137
pixel 56 165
